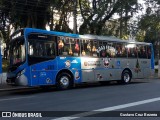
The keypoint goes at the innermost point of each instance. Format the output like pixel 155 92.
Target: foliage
pixel 33 13
pixel 95 13
pixel 23 13
pixel 150 22
pixel 5 64
pixel 96 16
pixel 64 10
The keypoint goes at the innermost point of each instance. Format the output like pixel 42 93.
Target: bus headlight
pixel 20 73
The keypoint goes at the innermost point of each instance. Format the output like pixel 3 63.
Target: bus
pixel 40 58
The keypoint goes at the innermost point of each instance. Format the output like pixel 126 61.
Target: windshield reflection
pixel 17 52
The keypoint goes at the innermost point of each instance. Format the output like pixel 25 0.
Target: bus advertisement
pixel 41 58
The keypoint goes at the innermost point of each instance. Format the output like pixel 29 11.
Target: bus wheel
pixel 126 77
pixel 64 81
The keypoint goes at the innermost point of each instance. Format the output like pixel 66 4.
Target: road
pixel 140 95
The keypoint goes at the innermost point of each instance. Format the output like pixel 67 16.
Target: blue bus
pixel 41 58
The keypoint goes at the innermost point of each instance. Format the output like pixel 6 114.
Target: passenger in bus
pixel 41 49
pixel 103 53
pixel 119 52
pixel 17 59
pixel 76 49
pixel 134 52
pixel 149 53
pixel 83 53
pixel 108 52
pixel 142 53
pixel 124 52
pixel 49 51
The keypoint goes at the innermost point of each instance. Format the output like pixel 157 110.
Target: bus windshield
pixel 17 52
pixel 41 48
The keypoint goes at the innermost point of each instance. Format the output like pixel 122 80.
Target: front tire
pixel 64 81
pixel 126 77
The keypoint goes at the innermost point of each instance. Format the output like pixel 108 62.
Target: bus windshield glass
pixel 41 48
pixel 17 52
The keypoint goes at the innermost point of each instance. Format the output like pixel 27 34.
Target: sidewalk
pixel 3 78
pixel 3 84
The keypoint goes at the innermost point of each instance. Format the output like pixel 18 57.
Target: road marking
pixel 15 98
pixel 108 109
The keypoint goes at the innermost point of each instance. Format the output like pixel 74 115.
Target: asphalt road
pixel 85 100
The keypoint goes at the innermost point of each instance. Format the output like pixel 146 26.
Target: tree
pixel 27 13
pixel 22 13
pixel 95 13
pixel 64 10
pixel 4 21
pixel 150 22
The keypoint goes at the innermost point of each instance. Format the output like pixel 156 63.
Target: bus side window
pixel 50 49
pixel 102 49
pixel 142 51
pixel 109 50
pixel 149 52
pixel 121 50
pixel 86 47
pixel 60 45
pixel 112 50
pixel 76 50
pixel 94 48
pixel 131 50
pixel 83 52
pixel 124 50
pixel 68 46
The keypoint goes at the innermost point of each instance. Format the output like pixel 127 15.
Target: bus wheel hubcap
pixel 64 81
pixel 126 77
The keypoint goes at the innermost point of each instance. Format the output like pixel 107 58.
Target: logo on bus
pixel 68 63
pixel 77 75
pixel 92 63
pixel 106 62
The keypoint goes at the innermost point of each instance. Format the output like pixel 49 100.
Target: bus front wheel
pixel 64 81
pixel 126 77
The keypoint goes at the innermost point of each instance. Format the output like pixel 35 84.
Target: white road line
pixel 15 98
pixel 108 109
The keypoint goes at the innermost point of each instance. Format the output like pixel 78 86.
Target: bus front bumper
pixel 17 80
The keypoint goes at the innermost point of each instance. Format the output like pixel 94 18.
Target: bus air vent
pixel 50 67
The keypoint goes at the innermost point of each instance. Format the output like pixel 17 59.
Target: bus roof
pixel 109 38
pixel 87 36
pixel 29 30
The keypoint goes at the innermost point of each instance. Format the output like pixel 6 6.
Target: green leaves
pixel 150 22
